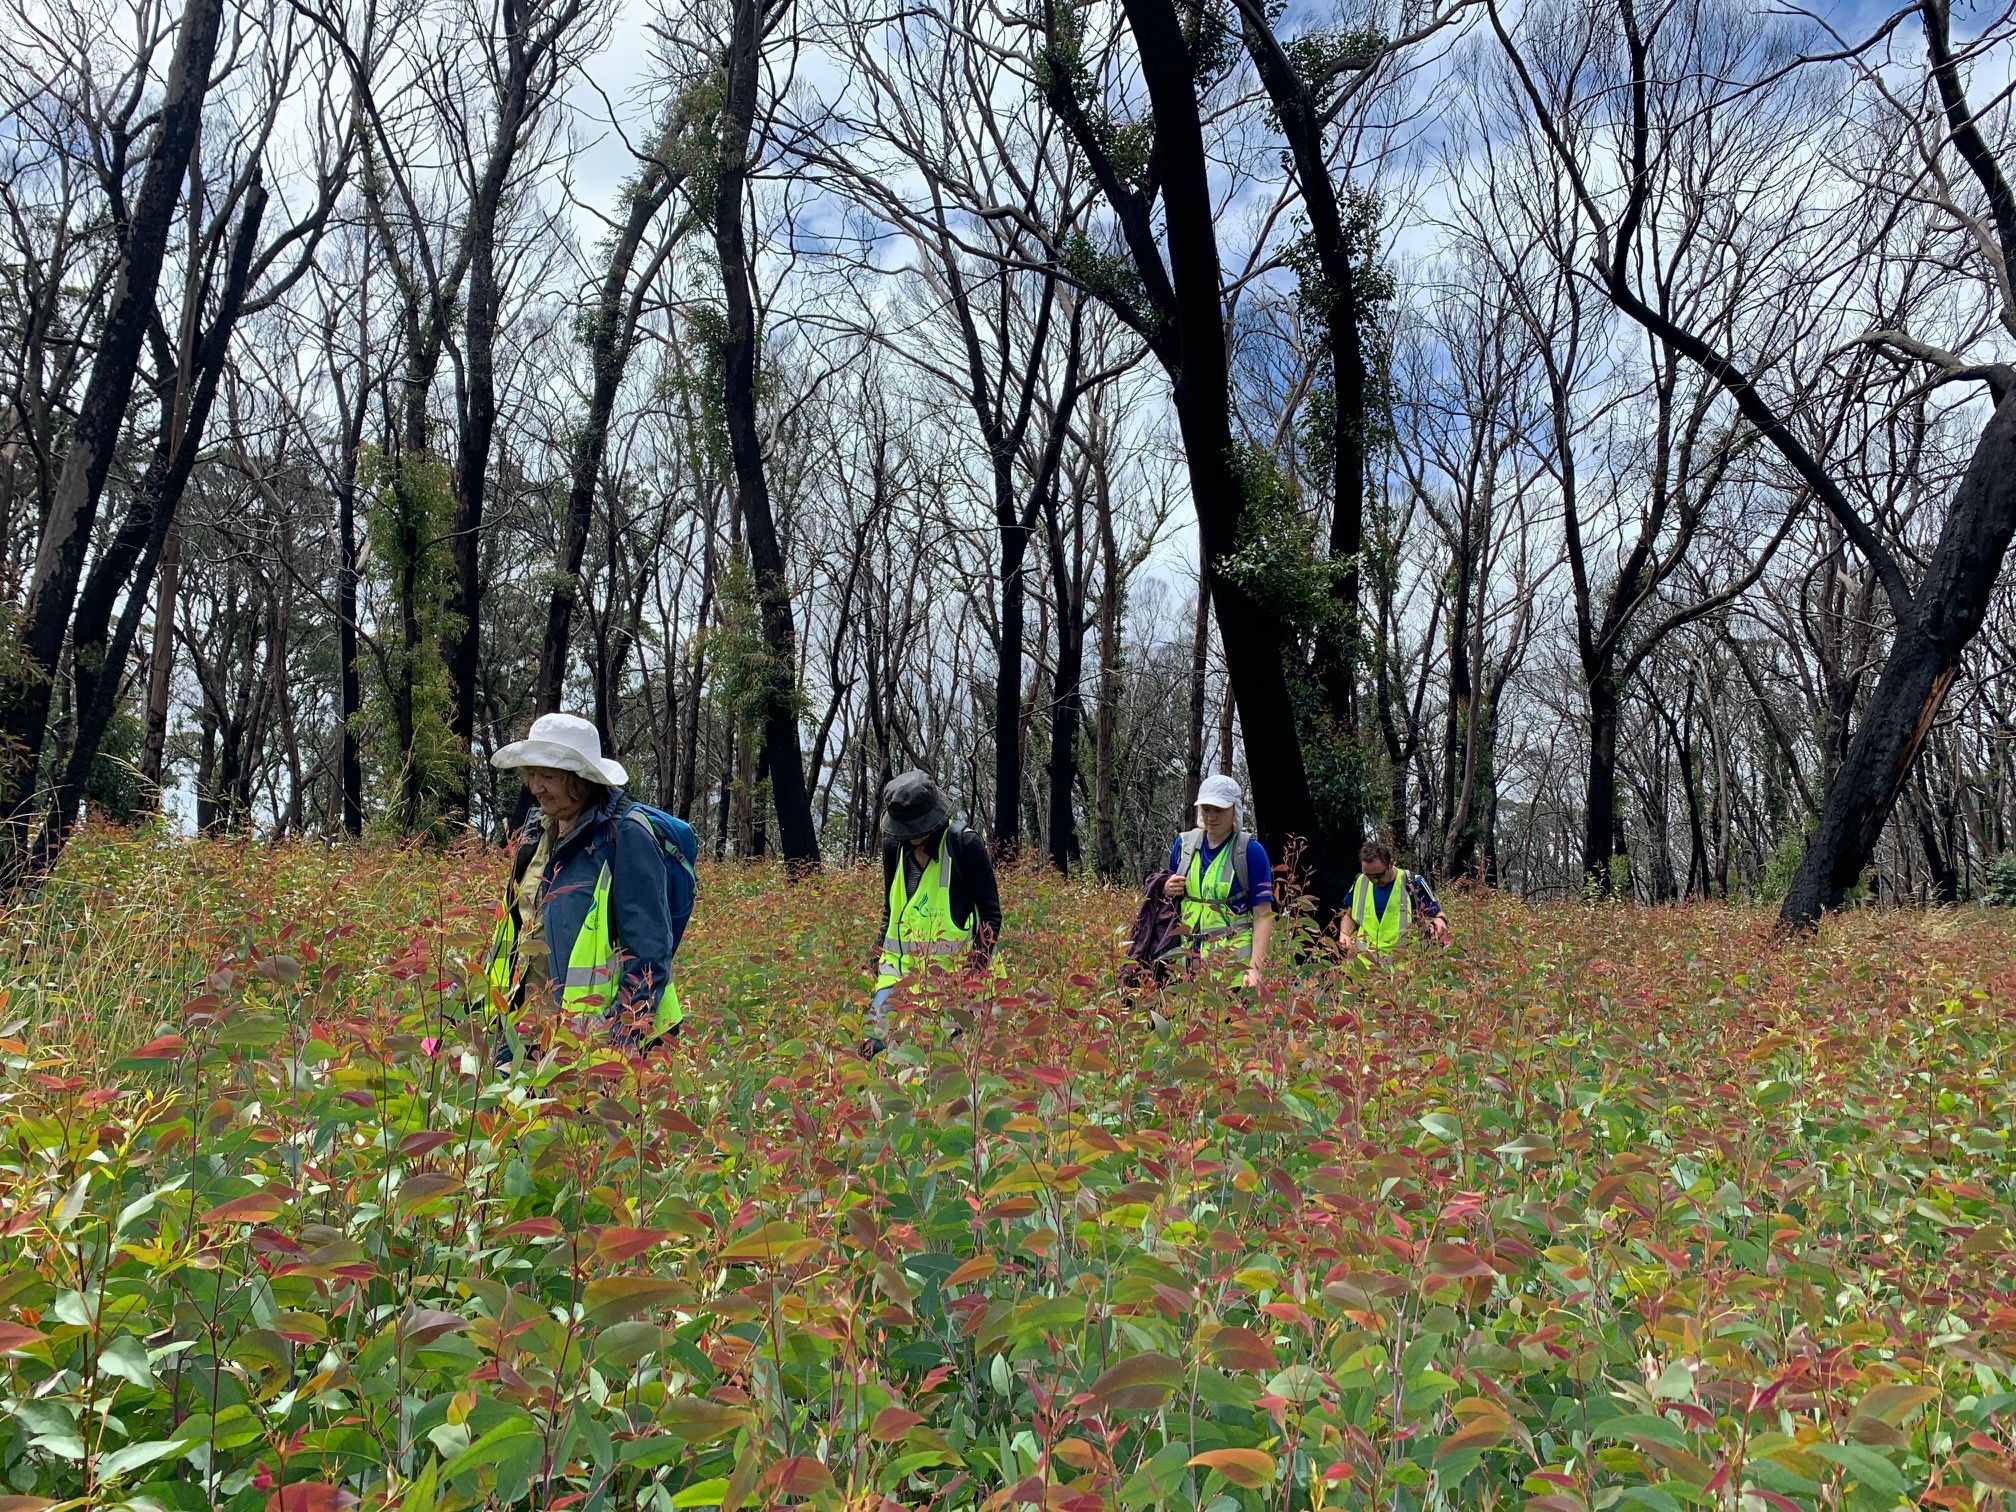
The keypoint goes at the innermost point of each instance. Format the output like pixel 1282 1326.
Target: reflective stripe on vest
pixel 921 927
pixel 1209 920
pixel 1383 931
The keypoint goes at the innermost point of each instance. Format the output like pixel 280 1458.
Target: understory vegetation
pixel 1598 1208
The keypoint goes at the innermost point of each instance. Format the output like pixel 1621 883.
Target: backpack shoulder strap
pixel 1191 842
pixel 669 847
pixel 1242 864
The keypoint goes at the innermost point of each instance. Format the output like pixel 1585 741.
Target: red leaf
pixel 14 1338
pixel 1250 1468
pixel 1243 1349
pixel 254 1207
pixel 310 1496
pixel 891 1423
pixel 800 1476
pixel 424 1324
pixel 615 1244
pixel 167 1047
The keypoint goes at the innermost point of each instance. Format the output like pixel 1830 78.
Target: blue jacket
pixel 637 897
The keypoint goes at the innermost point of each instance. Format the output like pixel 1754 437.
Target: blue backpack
pixel 681 846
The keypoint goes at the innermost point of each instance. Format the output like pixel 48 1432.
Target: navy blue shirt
pixel 1256 863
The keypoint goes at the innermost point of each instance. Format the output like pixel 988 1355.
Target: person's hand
pixel 1438 928
pixel 1252 978
pixel 1175 887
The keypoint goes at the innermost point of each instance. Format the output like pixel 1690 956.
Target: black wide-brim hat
pixel 913 806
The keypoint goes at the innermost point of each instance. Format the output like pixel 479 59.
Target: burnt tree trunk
pixel 1945 613
pixel 1256 641
pixel 1200 666
pixel 349 579
pixel 66 531
pixel 1599 813
pixel 782 759
pixel 99 651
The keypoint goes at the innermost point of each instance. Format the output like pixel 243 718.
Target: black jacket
pixel 975 897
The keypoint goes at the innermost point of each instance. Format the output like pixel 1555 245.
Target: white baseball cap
pixel 1219 791
pixel 567 743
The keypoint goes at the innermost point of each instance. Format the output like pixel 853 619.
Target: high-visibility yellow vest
pixel 1208 918
pixel 1381 931
pixel 594 965
pixel 921 927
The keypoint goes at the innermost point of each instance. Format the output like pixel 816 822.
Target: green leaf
pixel 1298 1383
pixel 1659 1498
pixel 495 1448
pixel 707 1493
pixel 1675 1383
pixel 1639 1426
pixel 650 1453
pixel 1155 1483
pixel 144 1204
pixel 1864 1465
pixel 71 1205
pixel 126 1357
pixel 622 1345
pixel 130 1457
pixel 420 1492
pixel 700 1421
pixel 1443 1126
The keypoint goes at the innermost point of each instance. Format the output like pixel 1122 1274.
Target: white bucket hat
pixel 566 742
pixel 1219 792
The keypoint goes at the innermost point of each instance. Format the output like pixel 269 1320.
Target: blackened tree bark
pixel 1942 618
pixel 126 567
pixel 1340 308
pixel 352 405
pixel 26 689
pixel 1183 322
pixel 782 759
pixel 1200 667
pixel 1067 704
pixel 161 663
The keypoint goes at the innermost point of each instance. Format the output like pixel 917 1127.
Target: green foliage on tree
pixel 412 758
pixel 2000 887
pixel 1281 561
pixel 114 790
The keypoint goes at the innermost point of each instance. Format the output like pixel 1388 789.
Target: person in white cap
pixel 1225 881
pixel 587 915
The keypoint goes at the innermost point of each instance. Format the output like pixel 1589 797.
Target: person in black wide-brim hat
pixel 941 908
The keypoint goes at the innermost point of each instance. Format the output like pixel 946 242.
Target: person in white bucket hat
pixel 586 916
pixel 1225 881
